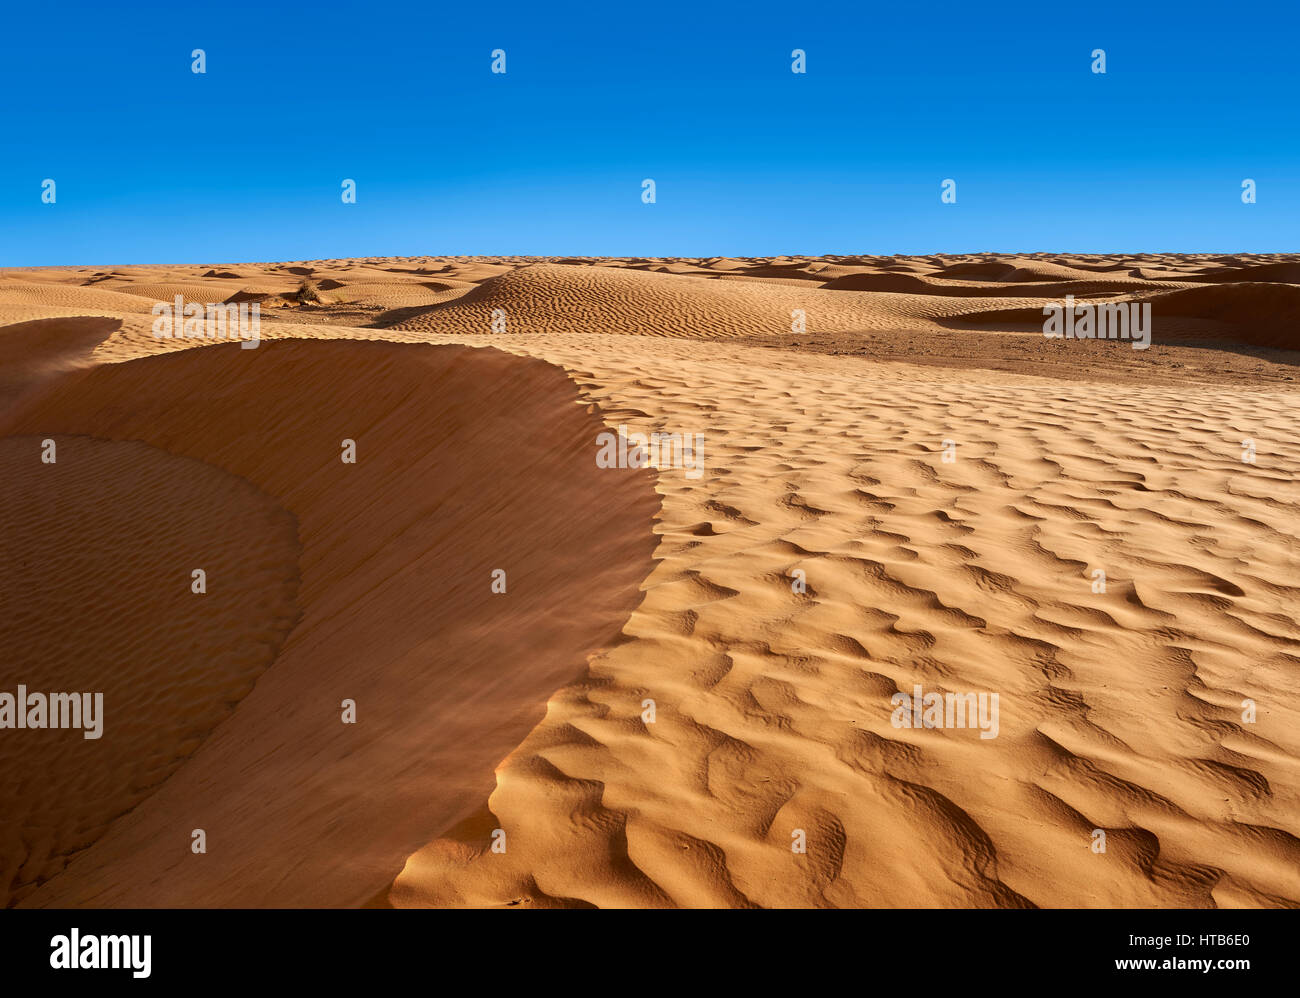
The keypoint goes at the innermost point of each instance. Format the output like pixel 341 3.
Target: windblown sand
pixel 943 480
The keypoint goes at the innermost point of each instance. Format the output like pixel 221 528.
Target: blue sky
pixel 155 164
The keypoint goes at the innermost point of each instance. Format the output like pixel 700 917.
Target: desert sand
pixel 917 488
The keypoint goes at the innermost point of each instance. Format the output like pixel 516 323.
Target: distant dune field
pixel 666 685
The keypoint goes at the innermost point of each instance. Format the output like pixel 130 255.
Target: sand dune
pixel 941 481
pixel 61 296
pixel 1272 273
pixel 34 350
pixel 566 299
pixel 1266 315
pixel 1017 270
pixel 191 292
pixel 774 707
pixel 557 298
pixel 468 461
pixel 394 294
pixel 107 607
pixel 920 284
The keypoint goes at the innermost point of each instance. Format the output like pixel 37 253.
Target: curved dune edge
pixel 468 460
pixel 1120 711
pixel 36 348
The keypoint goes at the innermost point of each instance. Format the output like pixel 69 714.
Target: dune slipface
pixel 468 461
pixel 95 593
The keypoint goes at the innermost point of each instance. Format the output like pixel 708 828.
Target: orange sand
pixel 823 453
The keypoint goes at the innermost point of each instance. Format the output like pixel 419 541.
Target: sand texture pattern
pixel 689 674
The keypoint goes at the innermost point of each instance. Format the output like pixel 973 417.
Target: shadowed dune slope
pixel 1273 273
pixel 39 348
pixel 95 593
pixel 1263 315
pixel 468 461
pixel 921 285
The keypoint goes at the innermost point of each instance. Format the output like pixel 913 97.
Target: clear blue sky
pixel 155 164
